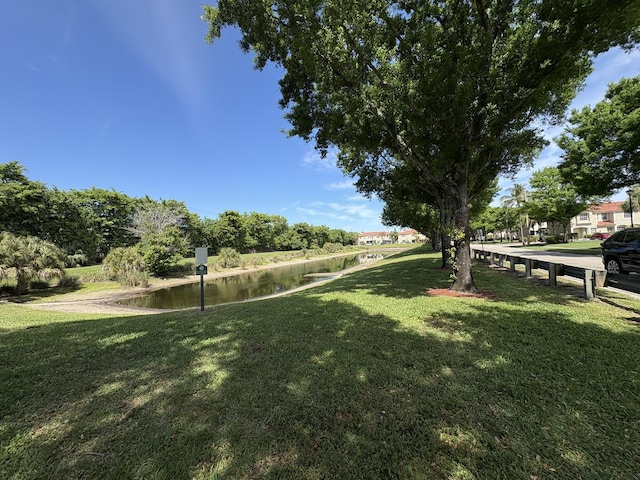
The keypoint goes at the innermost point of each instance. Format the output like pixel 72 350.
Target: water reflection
pixel 248 285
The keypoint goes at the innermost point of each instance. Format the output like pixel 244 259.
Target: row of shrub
pixel 127 266
pixel 230 258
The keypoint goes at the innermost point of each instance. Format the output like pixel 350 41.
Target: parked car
pixel 600 236
pixel 621 251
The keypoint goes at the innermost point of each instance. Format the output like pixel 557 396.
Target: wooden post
pixel 512 263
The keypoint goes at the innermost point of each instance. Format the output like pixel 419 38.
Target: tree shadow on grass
pixel 311 386
pixel 398 277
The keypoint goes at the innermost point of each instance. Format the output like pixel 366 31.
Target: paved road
pixel 591 262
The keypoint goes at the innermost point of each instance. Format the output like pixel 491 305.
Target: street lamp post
pixel 630 192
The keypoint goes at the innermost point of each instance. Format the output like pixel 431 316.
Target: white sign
pixel 201 256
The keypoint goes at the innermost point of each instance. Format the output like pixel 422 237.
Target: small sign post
pixel 201 269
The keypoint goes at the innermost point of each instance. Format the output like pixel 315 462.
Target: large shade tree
pixel 108 215
pixel 602 144
pixel 554 200
pixel 22 201
pixel 453 91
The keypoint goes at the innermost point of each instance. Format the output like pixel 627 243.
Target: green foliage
pixel 162 250
pixel 70 226
pixel 126 265
pixel 160 228
pixel 183 268
pixel 22 202
pixel 330 247
pixel 229 231
pixel 518 206
pixel 30 259
pixel 229 257
pixel 69 281
pixel 262 231
pixel 602 145
pixel 635 202
pixel 108 213
pixel 87 224
pixel 450 94
pixel 553 239
pixel 553 199
pixel 76 260
pixel 256 232
pixel 38 284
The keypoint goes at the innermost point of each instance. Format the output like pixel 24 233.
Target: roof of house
pixel 372 234
pixel 607 207
pixel 408 232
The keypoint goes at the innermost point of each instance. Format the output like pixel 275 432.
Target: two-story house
pixel 603 218
pixel 411 236
pixel 380 238
pixel 374 238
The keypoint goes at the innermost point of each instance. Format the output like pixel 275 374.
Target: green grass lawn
pixel 582 247
pixel 362 377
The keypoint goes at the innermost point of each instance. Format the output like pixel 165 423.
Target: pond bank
pixel 104 301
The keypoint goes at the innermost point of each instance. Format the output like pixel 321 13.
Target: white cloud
pixel 344 185
pixel 313 159
pixel 31 66
pixel 344 212
pixel 284 209
pixel 357 198
pixel 162 34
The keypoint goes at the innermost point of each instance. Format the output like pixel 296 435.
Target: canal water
pixel 248 285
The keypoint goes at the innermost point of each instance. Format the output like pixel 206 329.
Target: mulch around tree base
pixel 445 292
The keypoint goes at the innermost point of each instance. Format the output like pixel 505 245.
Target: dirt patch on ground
pixel 445 292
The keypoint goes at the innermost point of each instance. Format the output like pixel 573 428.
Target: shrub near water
pixel 229 257
pixel 125 265
pixel 333 247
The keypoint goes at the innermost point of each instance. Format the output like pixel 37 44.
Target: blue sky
pixel 126 95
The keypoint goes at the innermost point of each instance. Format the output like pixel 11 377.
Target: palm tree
pixel 518 200
pixel 30 258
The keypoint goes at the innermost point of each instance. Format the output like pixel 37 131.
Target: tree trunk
pixel 22 281
pixel 445 238
pixel 435 236
pixel 445 242
pixel 462 266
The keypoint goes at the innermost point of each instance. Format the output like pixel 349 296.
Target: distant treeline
pixel 94 221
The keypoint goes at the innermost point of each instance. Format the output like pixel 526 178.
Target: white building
pixel 374 238
pixel 603 218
